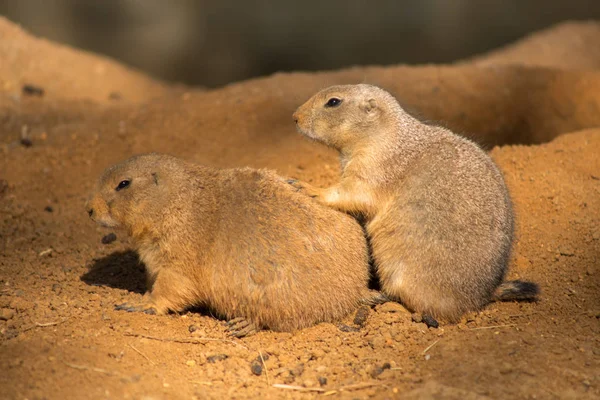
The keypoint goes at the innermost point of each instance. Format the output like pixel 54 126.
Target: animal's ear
pixel 369 106
pixel 155 176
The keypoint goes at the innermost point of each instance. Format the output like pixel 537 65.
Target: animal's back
pixel 297 261
pixel 442 245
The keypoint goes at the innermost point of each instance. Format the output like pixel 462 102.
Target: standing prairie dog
pixel 436 208
pixel 240 241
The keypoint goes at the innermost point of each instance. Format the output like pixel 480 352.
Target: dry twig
pixel 86 368
pixel 197 340
pixel 206 383
pixel 298 388
pixel 356 386
pixel 266 369
pixel 430 346
pixel 493 327
pixel 142 354
pixel 43 325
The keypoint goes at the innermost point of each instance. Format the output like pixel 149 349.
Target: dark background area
pixel 212 43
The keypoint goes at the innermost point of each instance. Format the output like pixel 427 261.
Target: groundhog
pixel 240 241
pixel 435 206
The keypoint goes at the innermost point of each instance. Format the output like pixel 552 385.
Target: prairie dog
pixel 240 241
pixel 436 209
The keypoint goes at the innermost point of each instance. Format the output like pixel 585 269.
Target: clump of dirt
pixel 60 275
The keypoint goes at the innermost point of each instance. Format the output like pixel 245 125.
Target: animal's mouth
pixel 306 132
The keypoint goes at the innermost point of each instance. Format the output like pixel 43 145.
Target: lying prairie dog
pixel 240 241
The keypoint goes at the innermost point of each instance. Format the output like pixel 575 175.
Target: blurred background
pixel 211 43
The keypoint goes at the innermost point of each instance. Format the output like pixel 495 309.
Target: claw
pixel 234 321
pixel 133 308
pixel 124 307
pixel 247 331
pixel 150 311
pixel 346 328
pixel 240 327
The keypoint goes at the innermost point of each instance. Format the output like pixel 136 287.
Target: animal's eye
pixel 333 102
pixel 122 185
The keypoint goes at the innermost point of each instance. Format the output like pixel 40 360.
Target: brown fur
pixel 240 241
pixel 437 211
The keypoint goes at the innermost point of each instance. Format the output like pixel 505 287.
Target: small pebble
pixel 48 209
pixel 297 370
pixel 256 367
pixel 3 186
pixel 506 368
pixel 108 239
pixel 11 333
pixel 6 314
pixel 346 328
pixel 322 380
pixel 217 357
pixel 190 363
pixel 361 316
pixel 32 90
pixel 416 317
pixel 375 372
pixel 25 141
pixel 192 328
pixel 567 251
pixel 378 370
pixel 430 321
pixel 199 333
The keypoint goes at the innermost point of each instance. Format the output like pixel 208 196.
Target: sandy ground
pixel 535 105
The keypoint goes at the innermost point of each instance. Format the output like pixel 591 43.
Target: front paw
pixel 143 307
pixel 295 183
pixel 303 187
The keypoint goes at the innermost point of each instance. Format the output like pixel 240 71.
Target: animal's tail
pixel 516 290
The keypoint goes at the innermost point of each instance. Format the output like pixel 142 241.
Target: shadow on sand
pixel 120 270
pixel 124 270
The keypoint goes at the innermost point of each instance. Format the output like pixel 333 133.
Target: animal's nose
pixel 90 212
pixel 295 116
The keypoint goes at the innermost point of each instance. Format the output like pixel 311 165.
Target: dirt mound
pixel 66 73
pixel 61 338
pixel 570 45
